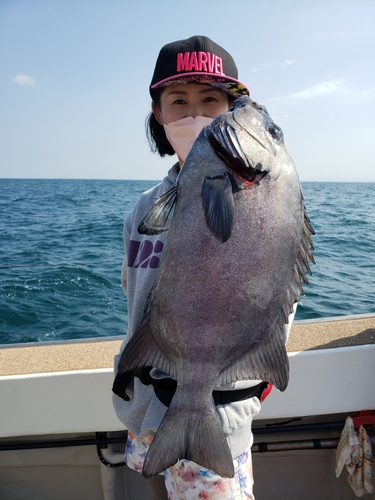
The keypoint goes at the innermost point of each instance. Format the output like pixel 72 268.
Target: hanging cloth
pixel 355 452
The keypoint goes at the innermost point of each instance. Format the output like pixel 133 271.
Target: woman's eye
pixel 179 101
pixel 209 99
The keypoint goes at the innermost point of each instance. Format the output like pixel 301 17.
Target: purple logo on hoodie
pixel 142 254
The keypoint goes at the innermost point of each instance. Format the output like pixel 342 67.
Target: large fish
pixel 237 251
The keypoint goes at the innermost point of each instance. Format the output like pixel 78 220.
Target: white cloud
pixel 287 62
pixel 366 95
pixel 321 89
pixel 265 66
pixel 23 80
pixel 339 90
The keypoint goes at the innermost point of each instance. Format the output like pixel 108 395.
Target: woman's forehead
pixel 186 88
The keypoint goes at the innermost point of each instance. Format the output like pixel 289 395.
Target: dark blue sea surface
pixel 61 254
pixel 343 281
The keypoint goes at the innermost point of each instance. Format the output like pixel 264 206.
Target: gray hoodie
pixel 144 412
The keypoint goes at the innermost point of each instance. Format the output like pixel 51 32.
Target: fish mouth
pixel 223 139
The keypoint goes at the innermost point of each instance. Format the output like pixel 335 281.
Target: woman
pixel 194 81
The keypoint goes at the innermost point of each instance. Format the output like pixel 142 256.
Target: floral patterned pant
pixel 188 481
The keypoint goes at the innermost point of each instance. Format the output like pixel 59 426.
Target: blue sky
pixel 74 78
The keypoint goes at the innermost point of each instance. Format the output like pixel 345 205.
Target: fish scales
pixel 236 225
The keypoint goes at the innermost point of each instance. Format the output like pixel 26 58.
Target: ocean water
pixel 61 254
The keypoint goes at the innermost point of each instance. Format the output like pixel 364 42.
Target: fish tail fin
pixel 198 438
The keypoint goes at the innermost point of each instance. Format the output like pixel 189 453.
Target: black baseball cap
pixel 197 60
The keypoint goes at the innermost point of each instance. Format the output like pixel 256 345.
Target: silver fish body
pixel 236 255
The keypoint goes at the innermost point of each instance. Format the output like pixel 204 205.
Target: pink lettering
pixel 211 59
pixel 193 65
pixel 202 61
pixel 183 61
pixel 219 66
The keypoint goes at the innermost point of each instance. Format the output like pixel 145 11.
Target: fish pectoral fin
pixel 143 350
pixel 198 437
pixel 160 215
pixel 218 205
pixel 268 362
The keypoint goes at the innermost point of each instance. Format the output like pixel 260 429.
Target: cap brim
pixel 230 85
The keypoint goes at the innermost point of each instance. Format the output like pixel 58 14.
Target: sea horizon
pixel 153 180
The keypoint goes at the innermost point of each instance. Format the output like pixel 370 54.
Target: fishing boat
pixel 60 437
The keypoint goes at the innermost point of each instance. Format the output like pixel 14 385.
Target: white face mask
pixel 182 133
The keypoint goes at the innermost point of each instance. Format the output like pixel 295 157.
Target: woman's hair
pixel 155 132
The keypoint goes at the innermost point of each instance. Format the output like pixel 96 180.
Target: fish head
pixel 249 142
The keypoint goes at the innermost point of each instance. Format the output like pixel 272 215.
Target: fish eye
pixel 275 131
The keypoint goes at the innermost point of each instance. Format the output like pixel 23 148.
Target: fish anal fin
pixel 218 205
pixel 143 350
pixel 199 438
pixel 268 361
pixel 160 215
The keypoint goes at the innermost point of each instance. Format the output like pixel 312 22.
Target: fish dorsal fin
pixel 143 350
pixel 268 361
pixel 160 215
pixel 301 267
pixel 218 205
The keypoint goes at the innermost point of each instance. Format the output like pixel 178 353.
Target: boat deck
pixel 330 333
pixel 84 354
